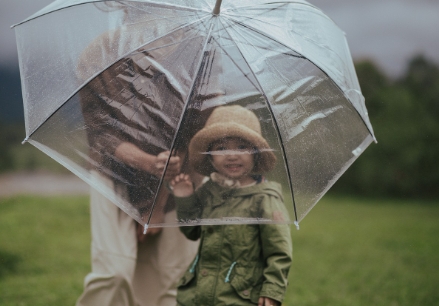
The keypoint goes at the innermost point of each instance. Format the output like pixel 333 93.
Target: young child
pixel 236 264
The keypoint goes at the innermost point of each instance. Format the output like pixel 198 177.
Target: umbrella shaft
pixel 216 9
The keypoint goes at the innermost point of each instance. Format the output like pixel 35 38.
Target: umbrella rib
pixel 268 3
pixel 276 127
pixel 279 74
pixel 304 109
pixel 266 35
pixel 304 57
pixel 236 64
pixel 136 48
pixel 105 68
pixel 155 4
pixel 274 39
pixel 209 34
pixel 152 49
pixel 146 11
pixel 253 18
pixel 134 95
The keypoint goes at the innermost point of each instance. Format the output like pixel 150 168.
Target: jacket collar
pixel 220 194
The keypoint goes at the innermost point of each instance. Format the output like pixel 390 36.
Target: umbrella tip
pixel 217 8
pixel 145 229
pixel 25 140
pixel 297 225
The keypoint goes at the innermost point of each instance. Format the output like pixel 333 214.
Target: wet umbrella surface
pixel 103 78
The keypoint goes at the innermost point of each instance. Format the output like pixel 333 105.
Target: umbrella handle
pixel 216 9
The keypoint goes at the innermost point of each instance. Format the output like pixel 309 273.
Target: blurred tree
pixel 405 117
pixel 10 134
pixel 5 155
pixel 422 78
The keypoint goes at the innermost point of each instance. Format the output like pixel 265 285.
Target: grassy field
pixel 44 250
pixel 347 252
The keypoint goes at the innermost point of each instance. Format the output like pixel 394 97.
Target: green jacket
pixel 236 264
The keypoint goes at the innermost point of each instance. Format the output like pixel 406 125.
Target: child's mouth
pixel 233 168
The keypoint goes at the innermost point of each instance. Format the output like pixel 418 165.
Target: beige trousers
pixel 128 273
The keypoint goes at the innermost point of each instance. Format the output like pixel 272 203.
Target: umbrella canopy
pixel 97 75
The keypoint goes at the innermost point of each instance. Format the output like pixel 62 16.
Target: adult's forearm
pixel 134 157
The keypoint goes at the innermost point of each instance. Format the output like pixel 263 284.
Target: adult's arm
pixel 134 157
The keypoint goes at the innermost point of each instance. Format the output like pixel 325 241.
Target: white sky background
pixel 387 31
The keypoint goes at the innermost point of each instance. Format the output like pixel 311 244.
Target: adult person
pixel 131 113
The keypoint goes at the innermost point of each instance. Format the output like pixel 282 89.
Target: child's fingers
pixel 265 301
pixel 175 180
pixel 179 178
pixel 174 160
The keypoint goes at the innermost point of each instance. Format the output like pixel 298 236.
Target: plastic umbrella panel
pixel 150 74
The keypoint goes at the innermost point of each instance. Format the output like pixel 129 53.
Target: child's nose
pixel 233 154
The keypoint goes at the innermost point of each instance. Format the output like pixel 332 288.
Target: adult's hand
pixel 173 168
pixel 153 164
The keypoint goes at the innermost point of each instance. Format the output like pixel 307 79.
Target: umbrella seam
pixel 275 124
pixel 237 65
pixel 112 63
pixel 283 2
pixel 181 118
pixel 318 66
pixel 329 78
pixel 92 2
pixel 274 2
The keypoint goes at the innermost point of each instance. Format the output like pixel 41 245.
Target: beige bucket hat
pixel 230 121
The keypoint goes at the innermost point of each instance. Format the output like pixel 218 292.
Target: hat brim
pixel 200 143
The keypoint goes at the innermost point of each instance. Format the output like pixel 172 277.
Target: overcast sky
pixel 387 31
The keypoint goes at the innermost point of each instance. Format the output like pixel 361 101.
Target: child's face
pixel 233 158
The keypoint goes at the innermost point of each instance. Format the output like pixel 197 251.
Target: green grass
pixel 347 252
pixel 359 252
pixel 44 250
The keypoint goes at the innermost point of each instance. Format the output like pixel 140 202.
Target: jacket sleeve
pixel 277 249
pixel 188 209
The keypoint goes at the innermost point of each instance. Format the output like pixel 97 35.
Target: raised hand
pixel 182 185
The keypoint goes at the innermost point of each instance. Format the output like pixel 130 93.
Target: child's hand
pixel 265 301
pixel 182 185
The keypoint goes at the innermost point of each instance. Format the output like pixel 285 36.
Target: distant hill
pixel 11 102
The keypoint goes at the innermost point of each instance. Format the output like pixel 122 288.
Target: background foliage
pixel 405 117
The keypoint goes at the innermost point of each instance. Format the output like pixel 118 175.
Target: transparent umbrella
pixel 115 90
